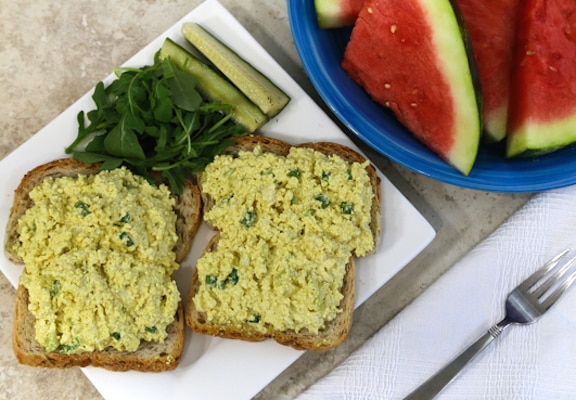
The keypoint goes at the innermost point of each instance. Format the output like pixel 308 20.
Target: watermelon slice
pixel 543 107
pixel 491 26
pixel 337 13
pixel 411 57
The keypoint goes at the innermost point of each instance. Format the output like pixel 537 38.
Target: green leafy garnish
pixel 150 329
pixel 129 241
pixel 231 279
pixel 153 119
pixel 294 172
pixel 248 219
pixel 226 200
pixel 326 175
pixel 211 280
pixel 323 199
pixel 69 348
pixel 116 335
pixel 255 319
pixel 55 287
pixel 347 207
pixel 124 220
pixel 84 208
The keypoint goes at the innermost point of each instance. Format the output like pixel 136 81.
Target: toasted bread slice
pixel 334 334
pixel 337 329
pixel 150 356
pixel 280 147
pixel 188 205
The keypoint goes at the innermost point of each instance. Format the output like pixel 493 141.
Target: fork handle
pixel 435 384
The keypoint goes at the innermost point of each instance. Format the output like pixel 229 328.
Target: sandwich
pixel 289 222
pixel 99 249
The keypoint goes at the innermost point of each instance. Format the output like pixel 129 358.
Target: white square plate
pixel 214 368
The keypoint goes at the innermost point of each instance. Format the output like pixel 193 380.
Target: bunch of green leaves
pixel 153 119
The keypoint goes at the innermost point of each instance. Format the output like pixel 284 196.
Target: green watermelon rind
pixel 493 46
pixel 329 14
pixel 534 138
pixel 495 123
pixel 458 66
pixel 543 113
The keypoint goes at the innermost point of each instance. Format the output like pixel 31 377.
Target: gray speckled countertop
pixel 54 51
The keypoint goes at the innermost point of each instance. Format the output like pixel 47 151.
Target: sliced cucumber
pixel 255 85
pixel 214 87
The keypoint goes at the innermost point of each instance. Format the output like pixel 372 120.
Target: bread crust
pixel 150 356
pixel 336 330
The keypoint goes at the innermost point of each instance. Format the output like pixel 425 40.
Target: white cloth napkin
pixel 533 362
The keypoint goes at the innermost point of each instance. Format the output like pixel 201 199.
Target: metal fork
pixel 524 305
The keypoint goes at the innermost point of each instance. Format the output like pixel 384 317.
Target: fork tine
pixel 536 276
pixel 556 294
pixel 544 287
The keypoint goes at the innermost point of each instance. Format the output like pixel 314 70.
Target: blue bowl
pixel 321 52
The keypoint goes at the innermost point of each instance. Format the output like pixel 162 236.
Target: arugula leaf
pixel 122 140
pixel 152 118
pixel 108 162
pixel 163 109
pixel 182 85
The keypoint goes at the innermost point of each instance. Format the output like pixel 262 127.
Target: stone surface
pixel 54 51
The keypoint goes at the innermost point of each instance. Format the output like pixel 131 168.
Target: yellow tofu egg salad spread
pixel 99 253
pixel 288 227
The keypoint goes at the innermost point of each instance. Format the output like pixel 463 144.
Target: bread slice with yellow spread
pixel 153 355
pixel 289 222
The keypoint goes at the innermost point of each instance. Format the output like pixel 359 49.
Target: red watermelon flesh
pixel 410 57
pixel 337 13
pixel 491 26
pixel 543 92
